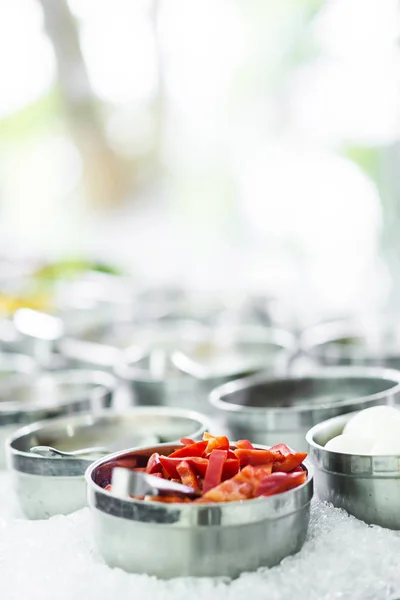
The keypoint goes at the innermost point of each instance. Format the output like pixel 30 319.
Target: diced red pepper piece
pixel 298 470
pixel 283 449
pixel 170 465
pixel 186 441
pixel 215 443
pixel 276 483
pixel 188 475
pixel 239 487
pixel 257 457
pixel 154 465
pixel 195 449
pixel 290 462
pixel 262 471
pixel 108 487
pixel 215 467
pixel 244 445
pixel 230 468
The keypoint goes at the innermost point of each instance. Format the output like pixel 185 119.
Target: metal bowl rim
pixel 273 336
pixel 215 398
pixel 100 379
pixel 376 463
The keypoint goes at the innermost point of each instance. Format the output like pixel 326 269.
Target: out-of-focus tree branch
pixel 103 171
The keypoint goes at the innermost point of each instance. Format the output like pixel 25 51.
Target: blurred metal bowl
pixel 27 398
pixel 47 486
pixel 370 342
pixel 202 540
pixel 105 346
pixel 273 410
pixel 155 380
pixel 367 487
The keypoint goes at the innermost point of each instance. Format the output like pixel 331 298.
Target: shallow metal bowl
pixel 50 486
pixel 273 410
pixel 367 487
pixel 27 398
pixel 202 540
pixel 370 342
pixel 261 349
pixel 104 346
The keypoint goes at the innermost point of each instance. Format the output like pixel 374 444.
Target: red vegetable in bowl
pixel 225 472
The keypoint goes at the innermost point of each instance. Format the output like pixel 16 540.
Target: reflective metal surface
pixel 370 342
pixel 225 355
pixel 27 398
pixel 203 540
pixel 368 487
pixel 270 411
pixel 105 345
pixel 46 486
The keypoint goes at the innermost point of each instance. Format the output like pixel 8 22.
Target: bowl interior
pixel 380 340
pixel 107 430
pixel 307 391
pixel 45 390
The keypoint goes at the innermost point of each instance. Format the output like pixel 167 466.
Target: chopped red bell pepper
pixel 186 441
pixel 215 467
pixel 244 445
pixel 290 462
pixel 257 457
pixel 220 472
pixel 188 475
pixel 108 487
pixel 216 443
pixel 239 487
pixel 230 468
pixel 282 448
pixel 154 465
pixel 170 465
pixel 195 449
pixel 276 483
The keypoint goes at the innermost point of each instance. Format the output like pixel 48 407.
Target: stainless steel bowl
pixel 369 341
pixel 27 398
pixel 12 365
pixel 203 540
pixel 367 487
pixel 260 349
pixel 50 486
pixel 104 346
pixel 270 411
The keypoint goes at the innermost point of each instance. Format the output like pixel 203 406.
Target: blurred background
pixel 215 144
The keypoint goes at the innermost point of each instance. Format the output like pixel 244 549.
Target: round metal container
pixel 271 351
pixel 50 486
pixel 105 346
pixel 12 365
pixel 202 540
pixel 270 411
pixel 370 342
pixel 367 487
pixel 27 398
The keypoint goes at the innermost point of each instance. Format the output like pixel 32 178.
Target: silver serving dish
pixel 270 411
pixel 367 487
pixel 203 540
pixel 27 398
pixel 105 346
pixel 370 342
pixel 47 486
pixel 226 355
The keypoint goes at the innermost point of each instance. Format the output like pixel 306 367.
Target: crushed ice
pixel 56 560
